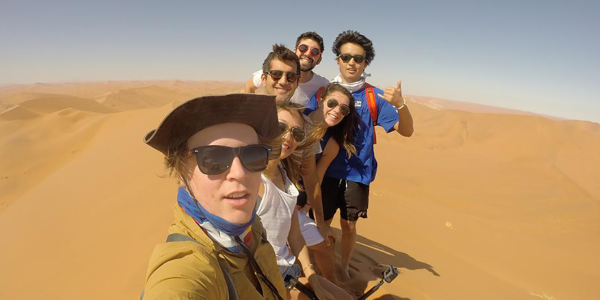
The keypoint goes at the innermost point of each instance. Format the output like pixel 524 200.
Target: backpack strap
pixel 231 292
pixel 319 92
pixel 370 93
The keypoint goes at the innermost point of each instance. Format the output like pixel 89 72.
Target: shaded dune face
pixel 476 205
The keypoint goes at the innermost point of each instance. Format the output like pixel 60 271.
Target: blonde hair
pixel 293 163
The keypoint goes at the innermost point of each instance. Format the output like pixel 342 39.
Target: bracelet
pixel 309 266
pixel 403 104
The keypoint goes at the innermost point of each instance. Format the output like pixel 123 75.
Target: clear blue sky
pixel 539 56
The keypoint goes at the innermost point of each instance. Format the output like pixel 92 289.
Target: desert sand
pixel 478 204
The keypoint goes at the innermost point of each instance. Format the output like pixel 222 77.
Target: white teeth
pixel 332 116
pixel 236 195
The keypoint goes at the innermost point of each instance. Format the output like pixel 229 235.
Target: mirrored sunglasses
pixel 314 52
pixel 297 133
pixel 344 109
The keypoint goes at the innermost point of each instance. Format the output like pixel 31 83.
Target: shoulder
pixel 322 81
pixel 184 270
pixel 331 148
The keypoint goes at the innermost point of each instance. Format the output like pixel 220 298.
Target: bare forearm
pixel 313 192
pixel 405 123
pixel 313 187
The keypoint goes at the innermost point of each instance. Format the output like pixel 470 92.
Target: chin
pixel 240 217
pixel 285 154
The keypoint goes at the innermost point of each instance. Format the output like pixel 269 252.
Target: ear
pixel 263 78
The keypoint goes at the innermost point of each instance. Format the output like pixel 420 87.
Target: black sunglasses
pixel 213 160
pixel 344 109
pixel 314 52
pixel 277 74
pixel 347 57
pixel 297 133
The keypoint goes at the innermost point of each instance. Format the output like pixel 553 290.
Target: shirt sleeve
pixel 387 115
pixel 312 105
pixel 256 78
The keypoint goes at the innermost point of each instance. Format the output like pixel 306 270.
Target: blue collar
pixel 201 215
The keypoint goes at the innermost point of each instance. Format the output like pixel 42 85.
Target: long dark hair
pixel 343 133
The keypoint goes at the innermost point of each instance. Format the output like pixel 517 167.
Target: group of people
pixel 262 176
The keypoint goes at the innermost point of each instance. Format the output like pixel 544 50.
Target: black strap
pixel 231 292
pixel 257 267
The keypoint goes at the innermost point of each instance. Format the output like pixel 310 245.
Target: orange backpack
pixel 370 93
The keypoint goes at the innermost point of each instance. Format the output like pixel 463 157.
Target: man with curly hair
pixel 346 182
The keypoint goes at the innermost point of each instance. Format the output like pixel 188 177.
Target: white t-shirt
pixel 275 210
pixel 304 91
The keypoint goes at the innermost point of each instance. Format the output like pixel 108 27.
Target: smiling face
pixel 333 115
pixel 232 194
pixel 351 71
pixel 292 119
pixel 281 88
pixel 307 61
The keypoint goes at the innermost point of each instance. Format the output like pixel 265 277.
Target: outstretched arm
pixel 250 87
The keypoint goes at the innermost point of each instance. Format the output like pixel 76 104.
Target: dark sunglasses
pixel 277 74
pixel 213 160
pixel 347 57
pixel 314 52
pixel 297 133
pixel 344 109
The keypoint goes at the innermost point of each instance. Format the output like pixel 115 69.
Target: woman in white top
pixel 277 208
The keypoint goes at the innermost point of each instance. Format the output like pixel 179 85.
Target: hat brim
pixel 258 111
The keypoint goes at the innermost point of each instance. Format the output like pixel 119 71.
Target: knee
pixel 348 226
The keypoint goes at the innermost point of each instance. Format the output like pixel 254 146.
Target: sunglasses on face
pixel 314 52
pixel 297 133
pixel 347 57
pixel 277 74
pixel 344 109
pixel 214 160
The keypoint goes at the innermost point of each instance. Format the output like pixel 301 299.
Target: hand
pixel 325 231
pixel 393 95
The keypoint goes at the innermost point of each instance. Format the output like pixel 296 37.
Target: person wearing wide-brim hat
pixel 216 248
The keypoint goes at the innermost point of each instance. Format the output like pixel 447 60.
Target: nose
pixel 237 170
pixel 337 109
pixel 283 79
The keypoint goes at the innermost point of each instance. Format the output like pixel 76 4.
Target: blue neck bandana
pixel 196 211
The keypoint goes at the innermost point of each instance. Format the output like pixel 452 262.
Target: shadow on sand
pixel 370 259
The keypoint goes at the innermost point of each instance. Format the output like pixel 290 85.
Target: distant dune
pixel 478 204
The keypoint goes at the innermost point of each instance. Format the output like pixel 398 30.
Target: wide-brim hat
pixel 258 111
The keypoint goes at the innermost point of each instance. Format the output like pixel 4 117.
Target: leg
pixel 348 242
pixel 336 291
pixel 323 255
pixel 325 259
pixel 356 203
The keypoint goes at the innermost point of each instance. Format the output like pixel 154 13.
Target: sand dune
pixel 473 206
pixel 137 98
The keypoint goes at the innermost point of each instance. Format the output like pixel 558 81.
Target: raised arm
pixel 249 87
pixel 393 95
